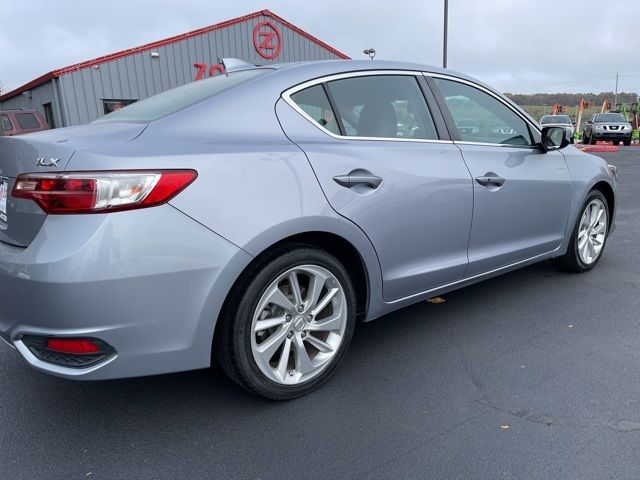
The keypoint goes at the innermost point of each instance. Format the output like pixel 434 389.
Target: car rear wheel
pixel 627 142
pixel 589 236
pixel 288 325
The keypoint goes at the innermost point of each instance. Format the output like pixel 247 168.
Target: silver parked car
pixel 253 218
pixel 559 121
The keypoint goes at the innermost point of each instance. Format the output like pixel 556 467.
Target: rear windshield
pixel 27 121
pixel 555 119
pixel 178 98
pixel 609 117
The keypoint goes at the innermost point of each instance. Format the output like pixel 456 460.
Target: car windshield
pixel 555 119
pixel 609 117
pixel 178 98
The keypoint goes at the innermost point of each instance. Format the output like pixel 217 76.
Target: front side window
pixel 6 123
pixel 382 106
pixel 314 102
pixel 27 121
pixel 479 117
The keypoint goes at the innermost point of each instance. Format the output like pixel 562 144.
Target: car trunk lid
pixel 45 152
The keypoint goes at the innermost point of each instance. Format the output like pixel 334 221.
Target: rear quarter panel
pixel 254 186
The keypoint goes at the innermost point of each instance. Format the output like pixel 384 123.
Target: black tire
pixel 616 142
pixel 571 261
pixel 592 141
pixel 627 142
pixel 585 138
pixel 232 343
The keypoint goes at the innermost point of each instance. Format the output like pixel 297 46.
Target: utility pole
pixel 446 28
pixel 615 101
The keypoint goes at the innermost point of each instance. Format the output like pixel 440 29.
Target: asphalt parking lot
pixel 534 374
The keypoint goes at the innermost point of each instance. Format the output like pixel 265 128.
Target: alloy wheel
pixel 592 231
pixel 299 324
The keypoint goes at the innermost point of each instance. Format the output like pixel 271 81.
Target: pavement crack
pixel 624 426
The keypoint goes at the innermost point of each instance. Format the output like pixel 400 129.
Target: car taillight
pixel 101 192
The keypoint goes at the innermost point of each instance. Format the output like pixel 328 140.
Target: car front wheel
pixel 287 326
pixel 589 235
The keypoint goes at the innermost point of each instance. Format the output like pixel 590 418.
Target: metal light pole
pixel 446 28
pixel 615 101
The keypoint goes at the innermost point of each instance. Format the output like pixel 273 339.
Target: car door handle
pixel 490 179
pixel 356 178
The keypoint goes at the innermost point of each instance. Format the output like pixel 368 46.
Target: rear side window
pixel 480 117
pixel 382 106
pixel 27 121
pixel 171 101
pixel 314 102
pixel 6 123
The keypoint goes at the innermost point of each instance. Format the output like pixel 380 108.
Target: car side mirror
pixel 553 138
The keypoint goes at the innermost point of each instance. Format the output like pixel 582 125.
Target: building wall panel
pixel 40 95
pixel 138 75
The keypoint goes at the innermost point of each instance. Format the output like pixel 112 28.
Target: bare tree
pixel 2 88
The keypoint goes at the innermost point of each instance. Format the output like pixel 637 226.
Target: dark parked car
pixel 607 126
pixel 17 122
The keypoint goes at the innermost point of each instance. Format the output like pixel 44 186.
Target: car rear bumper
pixel 149 283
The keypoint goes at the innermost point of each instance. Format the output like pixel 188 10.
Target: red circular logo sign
pixel 267 40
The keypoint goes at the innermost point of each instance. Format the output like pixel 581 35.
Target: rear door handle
pixel 358 177
pixel 490 179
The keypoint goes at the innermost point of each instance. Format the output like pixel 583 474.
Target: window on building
pixel 115 105
pixel 480 117
pixel 27 121
pixel 48 114
pixel 6 123
pixel 314 102
pixel 383 106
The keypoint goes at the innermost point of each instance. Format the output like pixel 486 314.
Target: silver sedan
pixel 253 218
pixel 559 121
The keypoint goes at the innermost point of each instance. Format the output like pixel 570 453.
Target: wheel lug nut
pixel 300 308
pixel 291 373
pixel 309 317
pixel 303 334
pixel 287 318
pixel 290 335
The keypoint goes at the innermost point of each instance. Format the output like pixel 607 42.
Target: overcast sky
pixel 521 46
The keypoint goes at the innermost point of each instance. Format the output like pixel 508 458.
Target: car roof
pixel 344 66
pixel 316 68
pixel 297 72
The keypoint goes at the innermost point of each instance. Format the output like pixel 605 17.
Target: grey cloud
pixel 517 46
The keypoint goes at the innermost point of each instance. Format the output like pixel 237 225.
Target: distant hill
pixel 572 99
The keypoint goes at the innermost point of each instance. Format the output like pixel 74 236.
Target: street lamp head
pixel 370 51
